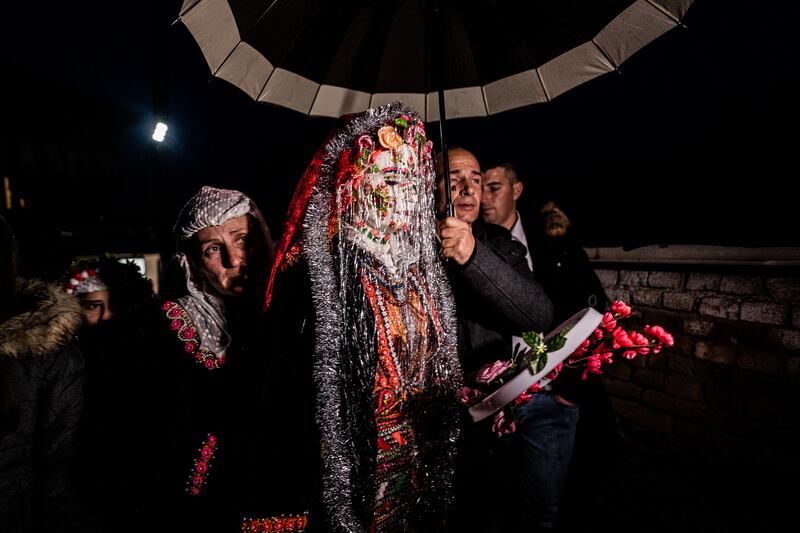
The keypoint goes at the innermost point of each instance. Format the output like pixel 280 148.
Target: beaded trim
pixel 202 463
pixel 296 523
pixel 181 323
pixel 386 349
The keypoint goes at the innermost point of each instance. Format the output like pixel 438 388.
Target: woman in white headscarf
pixel 211 376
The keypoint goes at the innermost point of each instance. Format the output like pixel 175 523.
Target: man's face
pixel 465 186
pixel 224 252
pixel 499 200
pixel 95 307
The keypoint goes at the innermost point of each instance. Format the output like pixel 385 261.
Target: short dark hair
pixel 509 169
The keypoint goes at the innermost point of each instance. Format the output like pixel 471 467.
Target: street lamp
pixel 160 132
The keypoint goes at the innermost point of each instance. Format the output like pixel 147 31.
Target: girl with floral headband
pixel 85 283
pixel 359 303
pixel 118 307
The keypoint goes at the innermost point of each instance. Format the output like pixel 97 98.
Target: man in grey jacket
pixel 496 294
pixel 497 298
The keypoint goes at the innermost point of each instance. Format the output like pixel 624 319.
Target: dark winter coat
pixel 44 372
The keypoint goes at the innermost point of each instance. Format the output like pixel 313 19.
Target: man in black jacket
pixel 563 269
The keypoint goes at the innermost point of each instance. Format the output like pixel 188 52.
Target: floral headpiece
pixel 82 281
pixel 395 148
pixel 361 142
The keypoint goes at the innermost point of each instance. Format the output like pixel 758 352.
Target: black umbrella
pixel 470 57
pixel 328 58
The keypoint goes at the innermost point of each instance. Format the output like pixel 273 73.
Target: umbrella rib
pixel 222 64
pixel 260 18
pixel 189 9
pixel 544 87
pixel 664 10
pixel 288 49
pixel 605 55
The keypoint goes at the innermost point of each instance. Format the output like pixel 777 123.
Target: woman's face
pixel 386 198
pixel 95 307
pixel 224 254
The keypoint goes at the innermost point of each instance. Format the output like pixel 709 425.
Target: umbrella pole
pixel 440 64
pixel 448 198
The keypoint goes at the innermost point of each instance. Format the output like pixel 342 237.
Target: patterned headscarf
pixel 211 207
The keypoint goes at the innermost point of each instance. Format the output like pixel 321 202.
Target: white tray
pixel 582 323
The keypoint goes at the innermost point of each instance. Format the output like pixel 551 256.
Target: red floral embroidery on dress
pixel 295 523
pixel 199 474
pixel 182 324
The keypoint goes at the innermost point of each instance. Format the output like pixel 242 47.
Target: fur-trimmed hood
pixel 48 319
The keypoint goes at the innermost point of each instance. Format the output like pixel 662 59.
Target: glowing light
pixel 160 132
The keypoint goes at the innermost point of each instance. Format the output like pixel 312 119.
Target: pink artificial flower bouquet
pixel 608 340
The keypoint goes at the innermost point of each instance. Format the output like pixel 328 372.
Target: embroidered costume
pixel 385 370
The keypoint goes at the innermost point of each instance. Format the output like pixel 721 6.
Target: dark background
pixel 692 142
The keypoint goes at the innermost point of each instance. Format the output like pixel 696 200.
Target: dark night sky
pixel 685 145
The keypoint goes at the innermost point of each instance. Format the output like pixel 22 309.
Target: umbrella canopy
pixel 326 58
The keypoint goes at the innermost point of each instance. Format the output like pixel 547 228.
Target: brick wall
pixel 730 385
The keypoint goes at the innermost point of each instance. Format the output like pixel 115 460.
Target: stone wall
pixel 729 388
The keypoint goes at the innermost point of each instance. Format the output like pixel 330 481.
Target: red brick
pixel 647 297
pixel 764 313
pixel 721 396
pixel 643 416
pixel 679 301
pixel 669 320
pixel 681 408
pixel 633 278
pixel 744 285
pixel 703 282
pixel 657 361
pixel 793 366
pixel 619 294
pixel 623 389
pixel 720 308
pixel 722 353
pixel 771 410
pixel 701 328
pixel 619 370
pixel 683 344
pixel 796 317
pixel 784 289
pixel 681 364
pixel 717 440
pixel 784 339
pixel 667 280
pixel 684 386
pixel 648 378
pixel 608 278
pixel 762 360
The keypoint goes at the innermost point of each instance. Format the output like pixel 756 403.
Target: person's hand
pixel 457 240
pixel 563 401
